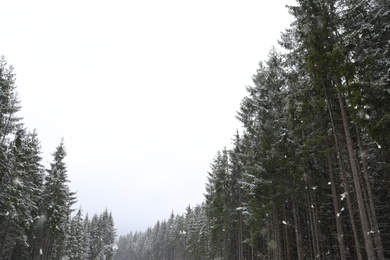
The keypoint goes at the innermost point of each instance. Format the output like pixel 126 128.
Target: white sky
pixel 143 92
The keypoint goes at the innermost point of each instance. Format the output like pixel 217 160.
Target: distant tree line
pixel 36 219
pixel 308 177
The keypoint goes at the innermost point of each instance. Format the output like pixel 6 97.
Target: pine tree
pixel 216 203
pixel 108 235
pixel 27 180
pixel 57 203
pixel 95 242
pixel 101 236
pixel 17 198
pixel 76 246
pixel 9 106
pixel 34 176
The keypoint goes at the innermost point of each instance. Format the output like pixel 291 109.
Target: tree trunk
pixel 377 237
pixel 276 238
pixel 314 224
pixel 287 241
pixel 240 237
pixel 297 230
pixel 362 210
pixel 339 224
pixel 344 179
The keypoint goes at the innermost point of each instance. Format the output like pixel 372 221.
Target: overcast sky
pixel 144 93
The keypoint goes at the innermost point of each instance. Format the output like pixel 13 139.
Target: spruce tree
pixel 76 247
pixel 56 207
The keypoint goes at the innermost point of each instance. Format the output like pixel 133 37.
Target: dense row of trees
pixel 36 203
pixel 179 237
pixel 308 177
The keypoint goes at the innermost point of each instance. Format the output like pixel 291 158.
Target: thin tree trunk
pixel 313 234
pixel 309 232
pixel 339 224
pixel 278 232
pixel 297 231
pixel 273 241
pixel 225 239
pixel 286 226
pixel 252 252
pixel 377 237
pixel 313 224
pixel 362 209
pixel 240 239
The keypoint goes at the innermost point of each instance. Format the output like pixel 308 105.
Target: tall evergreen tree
pixel 56 207
pixel 27 177
pixel 234 201
pixel 216 203
pixel 20 171
pixel 9 106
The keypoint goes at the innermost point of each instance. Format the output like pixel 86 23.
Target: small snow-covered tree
pixel 102 235
pixel 76 242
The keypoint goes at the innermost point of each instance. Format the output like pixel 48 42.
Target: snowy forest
pixel 306 177
pixel 36 216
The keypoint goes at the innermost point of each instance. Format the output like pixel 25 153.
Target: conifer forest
pixel 306 177
pixel 36 220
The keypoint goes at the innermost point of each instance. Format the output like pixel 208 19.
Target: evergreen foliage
pixel 308 176
pixel 36 219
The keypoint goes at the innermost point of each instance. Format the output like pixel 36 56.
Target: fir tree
pixel 56 206
pixel 76 243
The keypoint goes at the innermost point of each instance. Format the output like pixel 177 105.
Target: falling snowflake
pixel 343 195
pixel 17 182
